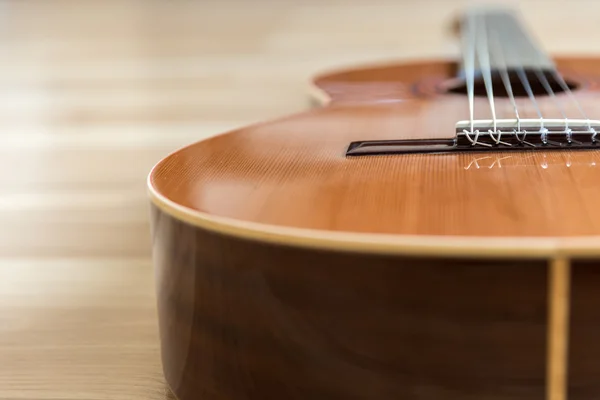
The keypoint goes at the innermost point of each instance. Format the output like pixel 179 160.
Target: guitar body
pixel 288 270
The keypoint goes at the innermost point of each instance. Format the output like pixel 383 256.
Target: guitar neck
pixel 497 39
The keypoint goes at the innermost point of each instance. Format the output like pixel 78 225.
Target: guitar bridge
pixel 503 135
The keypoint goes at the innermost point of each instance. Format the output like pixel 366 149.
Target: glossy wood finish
pixel 424 79
pixel 242 319
pixel 293 172
pixel 584 347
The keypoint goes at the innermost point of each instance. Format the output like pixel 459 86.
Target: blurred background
pixel 93 93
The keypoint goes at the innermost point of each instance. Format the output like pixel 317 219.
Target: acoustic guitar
pixel 432 231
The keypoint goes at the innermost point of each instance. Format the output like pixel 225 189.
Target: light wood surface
pixel 93 93
pixel 559 280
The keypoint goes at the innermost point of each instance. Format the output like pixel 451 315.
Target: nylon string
pixel 469 64
pixel 498 54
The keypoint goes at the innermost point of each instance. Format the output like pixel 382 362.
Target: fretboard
pixel 502 37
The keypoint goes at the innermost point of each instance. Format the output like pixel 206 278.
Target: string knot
pixel 495 139
pixel 569 134
pixel 468 136
pixel 544 135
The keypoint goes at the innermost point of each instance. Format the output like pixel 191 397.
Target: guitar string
pixel 542 78
pixel 469 70
pixel 557 77
pixel 482 53
pixel 486 71
pixel 544 81
pixel 524 79
pixel 526 84
pixel 560 80
pixel 498 54
pixel 478 44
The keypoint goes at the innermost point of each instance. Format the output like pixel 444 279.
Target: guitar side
pixel 266 291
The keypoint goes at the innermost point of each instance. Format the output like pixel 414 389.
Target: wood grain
pixel 242 319
pixel 293 172
pixel 584 330
pixel 92 94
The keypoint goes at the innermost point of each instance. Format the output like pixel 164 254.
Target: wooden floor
pixel 93 93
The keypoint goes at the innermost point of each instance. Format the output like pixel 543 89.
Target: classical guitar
pixel 432 231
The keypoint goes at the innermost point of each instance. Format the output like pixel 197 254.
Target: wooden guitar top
pixel 291 176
